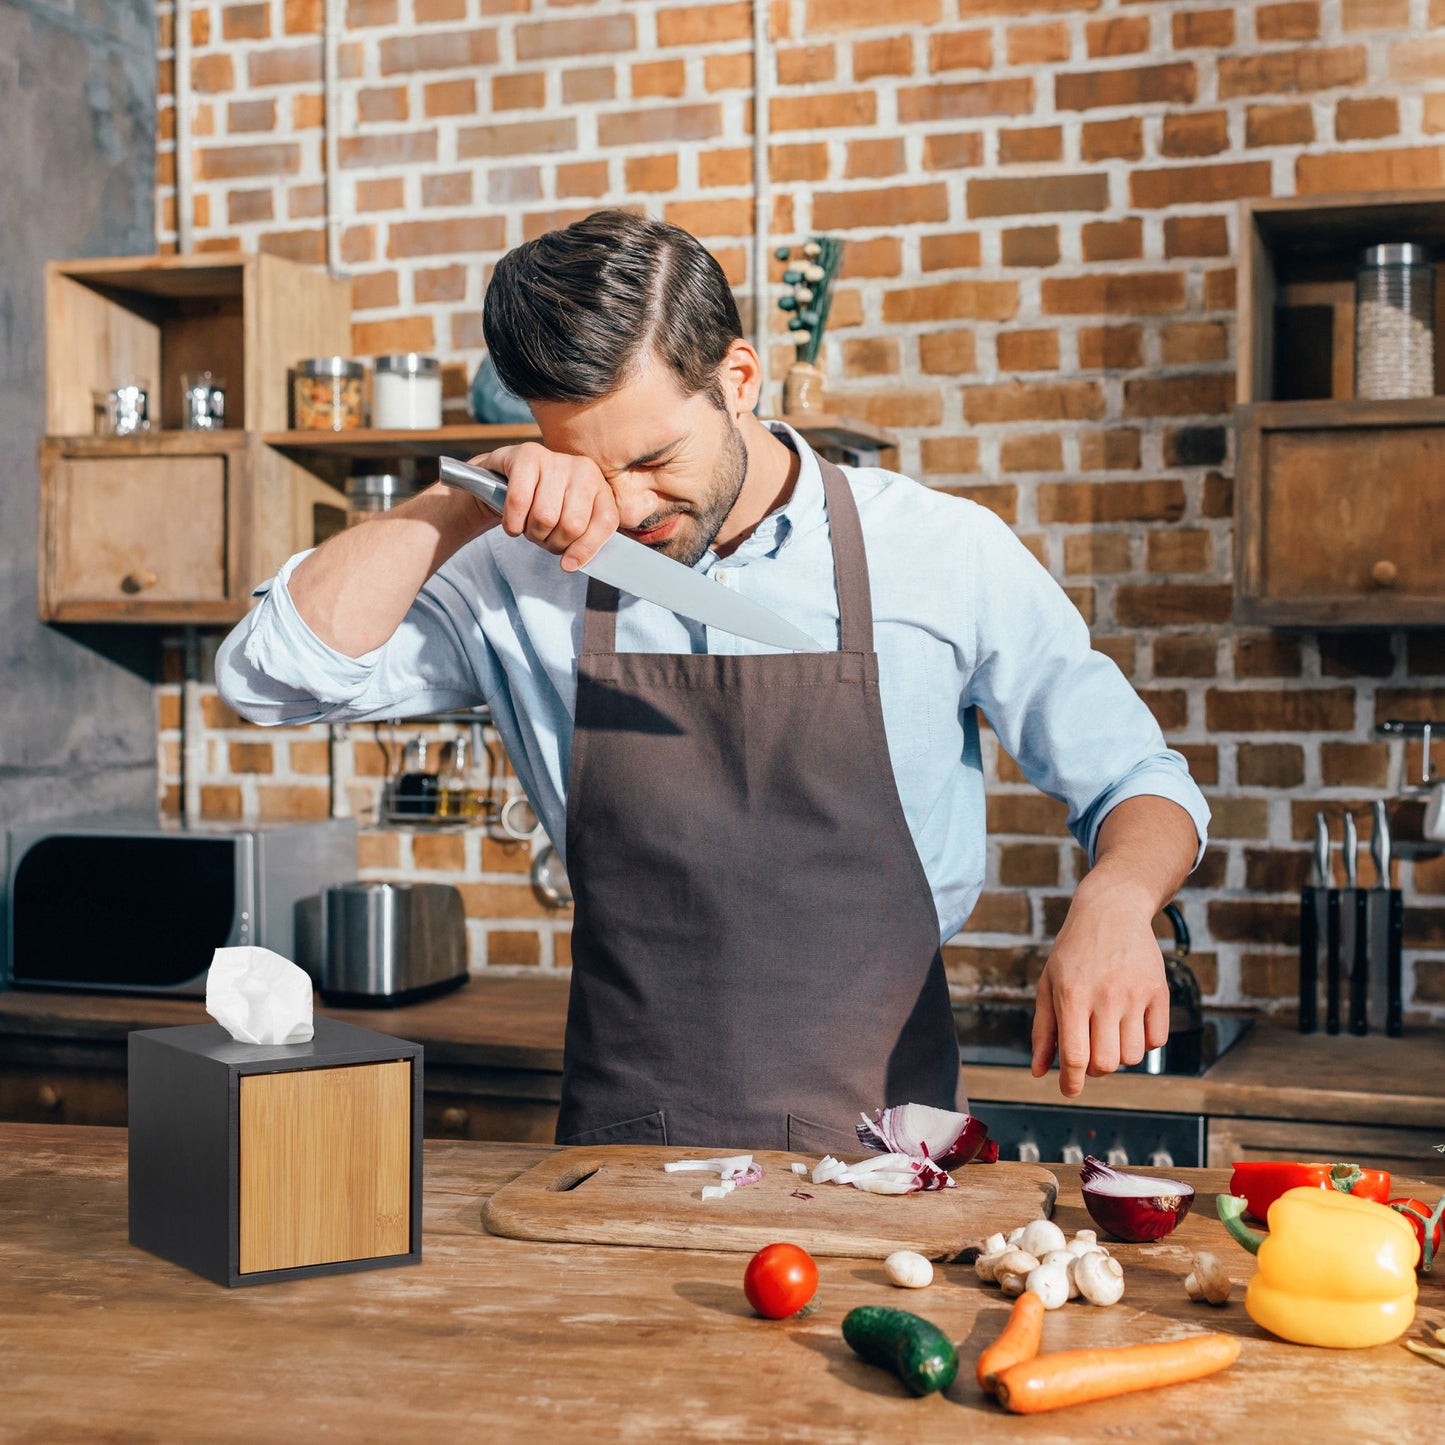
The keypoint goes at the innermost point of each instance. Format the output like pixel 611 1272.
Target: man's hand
pixel 1102 998
pixel 560 502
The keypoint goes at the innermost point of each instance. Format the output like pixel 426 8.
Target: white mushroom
pixel 1083 1242
pixel 1100 1278
pixel 1062 1259
pixel 1014 1235
pixel 1013 1270
pixel 1041 1236
pixel 1050 1282
pixel 1207 1280
pixel 908 1270
pixel 986 1265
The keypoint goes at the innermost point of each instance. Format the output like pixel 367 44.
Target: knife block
pixel 251 1163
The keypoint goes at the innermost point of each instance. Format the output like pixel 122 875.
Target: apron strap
pixel 850 561
pixel 850 570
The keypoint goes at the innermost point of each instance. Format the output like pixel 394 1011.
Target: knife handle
pixel 1360 964
pixel 487 486
pixel 1332 961
pixel 1394 966
pixel 1309 959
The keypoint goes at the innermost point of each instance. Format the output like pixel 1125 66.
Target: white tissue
pixel 258 997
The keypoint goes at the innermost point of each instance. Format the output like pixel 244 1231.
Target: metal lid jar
pixel 327 394
pixel 366 496
pixel 407 392
pixel 1394 323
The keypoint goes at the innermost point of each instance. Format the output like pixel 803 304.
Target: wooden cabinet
pixel 1408 1153
pixel 1337 500
pixel 1338 513
pixel 170 525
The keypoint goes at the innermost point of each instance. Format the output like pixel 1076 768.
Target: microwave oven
pixel 140 907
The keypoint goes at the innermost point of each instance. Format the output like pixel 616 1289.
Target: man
pixel 766 849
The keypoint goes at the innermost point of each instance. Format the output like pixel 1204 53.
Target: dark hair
pixel 572 314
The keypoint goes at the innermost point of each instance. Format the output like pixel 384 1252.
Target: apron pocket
pixel 806 1137
pixel 645 1129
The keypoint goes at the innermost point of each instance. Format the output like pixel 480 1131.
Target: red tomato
pixel 1417 1215
pixel 780 1280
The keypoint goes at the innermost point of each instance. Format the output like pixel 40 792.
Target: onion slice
pixel 922 1132
pixel 1133 1207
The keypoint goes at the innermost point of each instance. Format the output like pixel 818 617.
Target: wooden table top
pixel 516 1022
pixel 496 1339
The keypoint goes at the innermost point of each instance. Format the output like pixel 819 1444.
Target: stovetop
pixel 1001 1033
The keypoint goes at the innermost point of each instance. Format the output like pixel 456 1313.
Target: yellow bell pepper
pixel 1335 1270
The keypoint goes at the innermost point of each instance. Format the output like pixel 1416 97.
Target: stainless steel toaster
pixel 384 944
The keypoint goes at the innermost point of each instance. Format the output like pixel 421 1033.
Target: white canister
pixel 406 392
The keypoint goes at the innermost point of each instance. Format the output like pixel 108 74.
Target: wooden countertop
pixel 517 1023
pixel 494 1339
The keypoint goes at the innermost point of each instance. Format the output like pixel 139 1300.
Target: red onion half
pixel 938 1135
pixel 1133 1207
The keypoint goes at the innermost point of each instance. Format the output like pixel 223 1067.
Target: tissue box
pixel 251 1162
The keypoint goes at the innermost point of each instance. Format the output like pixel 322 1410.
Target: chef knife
pixel 1386 932
pixel 1360 934
pixel 631 567
pixel 1312 897
pixel 1332 950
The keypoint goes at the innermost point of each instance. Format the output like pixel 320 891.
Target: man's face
pixel 675 463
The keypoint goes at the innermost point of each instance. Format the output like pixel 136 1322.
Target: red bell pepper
pixel 1260 1184
pixel 1421 1218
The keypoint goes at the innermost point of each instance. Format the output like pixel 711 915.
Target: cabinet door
pixel 1339 524
pixel 138 530
pixel 1408 1153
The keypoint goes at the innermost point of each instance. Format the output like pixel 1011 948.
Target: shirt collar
pixel 804 509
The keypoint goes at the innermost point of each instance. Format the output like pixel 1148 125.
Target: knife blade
pixel 642 572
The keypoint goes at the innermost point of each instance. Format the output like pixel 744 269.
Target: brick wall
pixel 1038 198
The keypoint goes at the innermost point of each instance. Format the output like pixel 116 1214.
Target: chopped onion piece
pixel 922 1132
pixel 734 1164
pixel 799 1168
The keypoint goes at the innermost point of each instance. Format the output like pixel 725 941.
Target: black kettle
pixel 1186 1007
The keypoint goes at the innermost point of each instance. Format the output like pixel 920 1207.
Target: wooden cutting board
pixel 620 1194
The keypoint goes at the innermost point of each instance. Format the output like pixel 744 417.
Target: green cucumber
pixel 919 1353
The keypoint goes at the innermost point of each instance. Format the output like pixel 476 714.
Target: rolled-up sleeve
pixel 1064 712
pixel 273 669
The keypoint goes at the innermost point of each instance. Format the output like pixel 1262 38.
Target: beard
pixel 697 532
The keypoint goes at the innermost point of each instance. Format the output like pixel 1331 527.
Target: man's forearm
pixel 354 590
pixel 1145 849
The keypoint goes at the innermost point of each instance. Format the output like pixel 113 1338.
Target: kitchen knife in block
pixel 1394 965
pixel 620 1194
pixel 1359 907
pixel 1332 960
pixel 1311 905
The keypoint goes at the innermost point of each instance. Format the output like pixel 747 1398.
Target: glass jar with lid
pixel 407 392
pixel 327 394
pixel 1394 323
pixel 367 496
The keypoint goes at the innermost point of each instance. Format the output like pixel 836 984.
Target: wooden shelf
pixel 1333 415
pixel 370 444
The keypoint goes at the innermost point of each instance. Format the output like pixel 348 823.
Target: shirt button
pixel 723 578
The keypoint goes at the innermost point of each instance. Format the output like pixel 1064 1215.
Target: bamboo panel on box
pixel 325 1165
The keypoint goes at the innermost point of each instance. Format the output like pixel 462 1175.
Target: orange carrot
pixel 1072 1377
pixel 1018 1341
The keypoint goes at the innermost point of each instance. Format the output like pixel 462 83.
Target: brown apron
pixel 755 952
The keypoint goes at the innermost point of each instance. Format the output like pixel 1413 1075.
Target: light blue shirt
pixel 965 619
